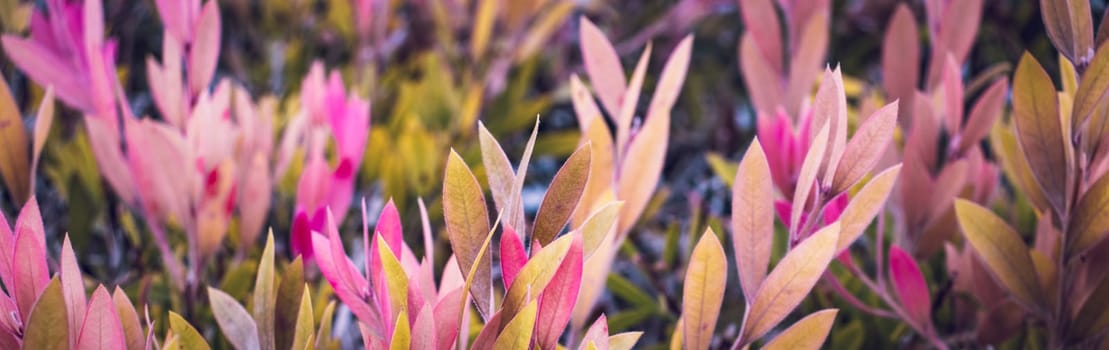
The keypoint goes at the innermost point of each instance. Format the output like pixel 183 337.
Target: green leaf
pixel 46 327
pixel 562 196
pixel 467 223
pixel 1002 250
pixel 705 279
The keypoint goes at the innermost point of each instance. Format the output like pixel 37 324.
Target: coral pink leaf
pixel 901 58
pixel 31 274
pixel 985 112
pixel 866 147
pixel 761 21
pixel 764 87
pixel 101 328
pixel 446 318
pixel 952 94
pixel 47 69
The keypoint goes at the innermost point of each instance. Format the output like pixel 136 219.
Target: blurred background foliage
pixel 432 69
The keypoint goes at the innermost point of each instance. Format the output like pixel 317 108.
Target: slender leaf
pixel 752 218
pixel 808 333
pixel 563 196
pixel 1002 250
pixel 704 291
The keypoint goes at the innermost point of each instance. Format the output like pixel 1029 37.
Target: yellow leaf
pixel 1002 250
pixel 705 279
pixel 13 146
pixel 1016 166
pixel 723 168
pixel 542 28
pixel 467 224
pixel 402 335
pixel 483 27
pixel 187 336
pixel 808 333
pixel 789 283
pixel 517 333
pixel 865 205
pixel 562 196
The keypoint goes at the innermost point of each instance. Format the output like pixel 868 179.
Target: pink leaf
pixel 45 68
pixel 101 328
pixel 603 65
pixel 761 21
pixel 910 286
pixel 30 274
pixel 73 289
pixel 446 318
pixel 204 52
pixel 597 333
pixel 513 255
pixel 952 94
pixel 558 299
pixel 7 248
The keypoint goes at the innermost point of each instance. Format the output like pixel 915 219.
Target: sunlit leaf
pixel 1002 250
pixel 234 321
pixel 808 333
pixel 752 218
pixel 402 334
pixel 789 283
pixel 704 291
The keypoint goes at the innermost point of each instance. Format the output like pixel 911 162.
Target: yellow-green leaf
pixel 482 27
pixel 13 146
pixel 1002 250
pixel 1039 129
pixel 265 297
pixel 467 225
pixel 534 276
pixel 187 336
pixel 305 321
pixel 705 279
pixel 623 341
pixel 517 333
pixel 752 218
pixel 396 281
pixel 46 326
pixel 808 333
pixel 789 283
pixel 865 205
pixel 563 196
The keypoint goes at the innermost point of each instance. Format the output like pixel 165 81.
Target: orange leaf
pixel 808 333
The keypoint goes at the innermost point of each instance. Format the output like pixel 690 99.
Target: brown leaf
pixel 1069 25
pixel 562 196
pixel 13 147
pixel 1092 90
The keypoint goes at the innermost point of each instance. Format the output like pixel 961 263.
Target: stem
pixel 168 259
pixel 846 295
